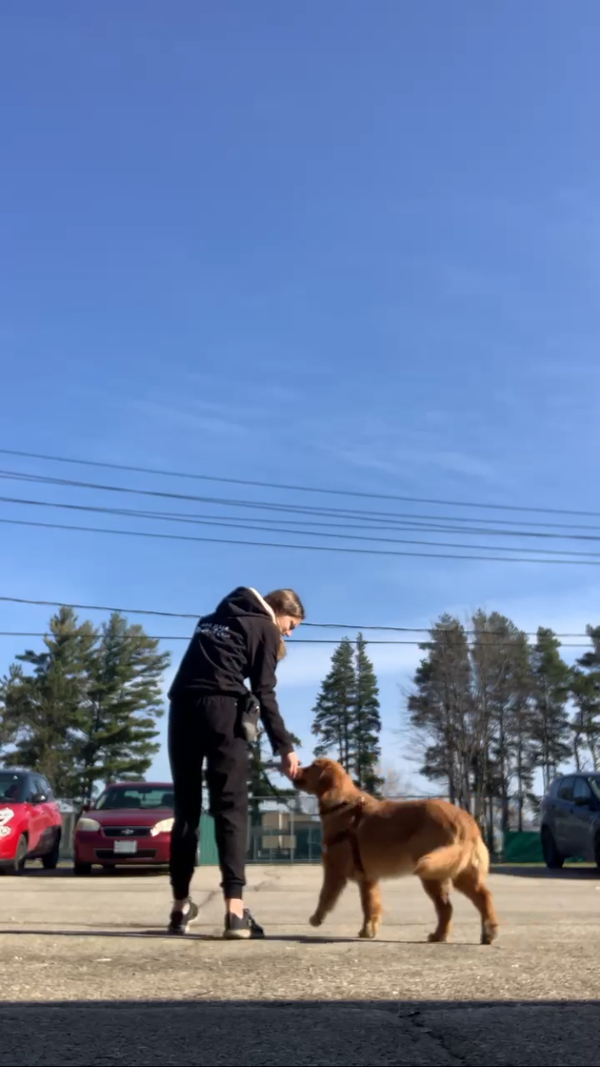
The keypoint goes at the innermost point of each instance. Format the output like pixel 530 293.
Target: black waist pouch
pixel 249 718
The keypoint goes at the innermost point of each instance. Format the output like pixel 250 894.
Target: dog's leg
pixel 371 905
pixel 334 883
pixel 439 892
pixel 469 883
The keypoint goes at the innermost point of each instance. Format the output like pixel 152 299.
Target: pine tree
pixel 43 708
pixel 124 700
pixel 551 683
pixel 442 710
pixel 334 712
pixel 502 689
pixel 585 691
pixel 367 723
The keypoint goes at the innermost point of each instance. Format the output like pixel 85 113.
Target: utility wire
pixel 291 488
pixel 244 524
pixel 195 615
pixel 186 637
pixel 237 522
pixel 292 509
pixel 336 549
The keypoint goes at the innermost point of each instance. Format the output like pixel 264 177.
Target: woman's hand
pixel 290 765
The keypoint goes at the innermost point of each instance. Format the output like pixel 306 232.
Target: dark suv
pixel 570 820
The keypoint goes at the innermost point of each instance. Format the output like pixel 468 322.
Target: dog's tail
pixel 449 861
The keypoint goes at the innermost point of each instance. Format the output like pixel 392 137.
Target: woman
pixel 242 639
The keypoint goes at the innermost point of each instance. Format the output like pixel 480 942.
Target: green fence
pixel 277 836
pixel 522 847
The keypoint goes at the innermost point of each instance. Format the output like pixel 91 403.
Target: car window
pixel 46 788
pixel 30 788
pixel 12 787
pixel 136 798
pixel 595 785
pixel 565 789
pixel 581 790
pixel 40 785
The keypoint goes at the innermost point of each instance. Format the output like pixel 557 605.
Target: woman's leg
pixel 186 757
pixel 227 775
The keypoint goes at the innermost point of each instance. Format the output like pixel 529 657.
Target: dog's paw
pixel 315 921
pixel 368 932
pixel 489 934
pixel 437 939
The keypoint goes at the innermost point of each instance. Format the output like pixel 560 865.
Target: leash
pixel 349 834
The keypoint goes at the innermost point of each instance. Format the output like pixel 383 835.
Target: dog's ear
pixel 327 777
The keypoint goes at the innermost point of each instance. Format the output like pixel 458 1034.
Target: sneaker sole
pixel 237 935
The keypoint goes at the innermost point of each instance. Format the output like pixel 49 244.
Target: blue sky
pixel 335 244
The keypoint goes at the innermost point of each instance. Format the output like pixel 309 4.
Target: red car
pixel 130 823
pixel 30 821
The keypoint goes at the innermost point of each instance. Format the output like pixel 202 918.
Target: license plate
pixel 125 848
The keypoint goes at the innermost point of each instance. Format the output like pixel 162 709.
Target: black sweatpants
pixel 205 732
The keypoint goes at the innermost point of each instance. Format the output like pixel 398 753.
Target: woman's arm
pixel 263 680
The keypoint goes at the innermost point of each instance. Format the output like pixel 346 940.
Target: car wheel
pixel 82 870
pixel 18 864
pixel 50 860
pixel 552 858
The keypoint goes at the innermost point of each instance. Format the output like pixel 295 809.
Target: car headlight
pixel 89 826
pixel 163 827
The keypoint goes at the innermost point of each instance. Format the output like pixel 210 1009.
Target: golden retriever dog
pixel 366 840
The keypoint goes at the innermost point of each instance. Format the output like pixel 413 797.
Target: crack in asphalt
pixel 419 1021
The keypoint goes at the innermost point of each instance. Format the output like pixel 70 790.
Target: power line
pixel 290 487
pixel 28 602
pixel 245 525
pixel 337 549
pixel 186 637
pixel 344 514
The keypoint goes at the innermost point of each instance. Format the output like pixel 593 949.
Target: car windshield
pixel 12 787
pixel 595 784
pixel 136 798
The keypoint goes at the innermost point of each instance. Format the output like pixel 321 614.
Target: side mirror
pixel 582 802
pixel 39 798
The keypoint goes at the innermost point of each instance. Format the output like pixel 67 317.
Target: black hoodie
pixel 238 641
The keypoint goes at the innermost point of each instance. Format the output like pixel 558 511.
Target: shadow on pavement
pixel 300 1034
pixel 134 931
pixel 574 874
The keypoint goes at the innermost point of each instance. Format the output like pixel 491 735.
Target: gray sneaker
pixel 244 929
pixel 182 920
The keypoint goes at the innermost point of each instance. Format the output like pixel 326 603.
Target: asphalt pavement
pixel 88 977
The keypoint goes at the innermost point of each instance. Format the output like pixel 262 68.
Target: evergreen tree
pixel 585 691
pixel 441 709
pixel 43 709
pixel 124 700
pixel 551 682
pixel 86 709
pixel 334 712
pixel 502 688
pixel 8 722
pixel 347 721
pixel 367 723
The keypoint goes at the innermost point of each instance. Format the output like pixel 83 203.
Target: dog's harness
pixel 350 833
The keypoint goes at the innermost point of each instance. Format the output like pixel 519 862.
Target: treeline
pixel 493 710
pixel 85 709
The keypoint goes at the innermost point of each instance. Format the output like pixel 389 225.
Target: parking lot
pixel 89 978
